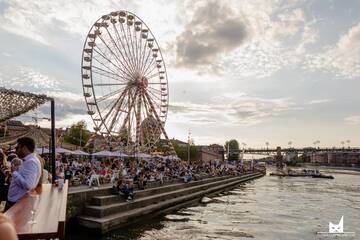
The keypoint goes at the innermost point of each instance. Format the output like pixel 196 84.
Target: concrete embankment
pixel 103 212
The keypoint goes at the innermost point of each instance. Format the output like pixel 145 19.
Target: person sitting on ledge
pixel 188 176
pixel 125 189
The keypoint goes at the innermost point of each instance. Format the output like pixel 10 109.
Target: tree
pixel 182 152
pixel 3 132
pixel 77 134
pixel 233 151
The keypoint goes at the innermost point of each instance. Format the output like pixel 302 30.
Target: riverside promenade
pixel 100 211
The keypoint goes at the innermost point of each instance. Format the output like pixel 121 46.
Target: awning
pixel 42 150
pixel 14 103
pixel 142 155
pixel 63 150
pixel 80 153
pixel 104 153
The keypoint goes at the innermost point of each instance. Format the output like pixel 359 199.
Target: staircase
pixel 109 212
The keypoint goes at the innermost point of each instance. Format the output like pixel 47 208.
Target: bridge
pixel 267 151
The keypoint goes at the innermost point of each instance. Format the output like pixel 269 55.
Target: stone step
pixel 102 211
pixel 121 219
pixel 111 199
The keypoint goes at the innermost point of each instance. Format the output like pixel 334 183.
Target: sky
pixel 253 70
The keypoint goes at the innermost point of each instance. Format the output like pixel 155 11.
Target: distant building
pixel 289 156
pixel 210 153
pixel 339 158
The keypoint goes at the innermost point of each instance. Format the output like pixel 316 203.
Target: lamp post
pixel 189 133
pixel 342 144
pixel 348 142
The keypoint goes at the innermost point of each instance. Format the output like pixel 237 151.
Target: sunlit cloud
pixel 352 120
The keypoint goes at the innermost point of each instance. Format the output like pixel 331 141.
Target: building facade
pixel 339 158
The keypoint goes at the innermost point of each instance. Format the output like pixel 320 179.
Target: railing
pixel 41 213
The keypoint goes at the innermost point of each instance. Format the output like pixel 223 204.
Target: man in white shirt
pixel 28 175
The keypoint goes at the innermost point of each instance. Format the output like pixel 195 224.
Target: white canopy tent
pixel 171 157
pixel 80 153
pixel 63 150
pixel 104 153
pixel 42 150
pixel 120 154
pixel 142 155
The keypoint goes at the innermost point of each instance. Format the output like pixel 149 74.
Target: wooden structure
pixel 49 203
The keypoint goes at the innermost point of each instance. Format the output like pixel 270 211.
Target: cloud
pixel 342 59
pixel 230 109
pixel 25 78
pixel 352 120
pixel 6 54
pixel 280 35
pixel 319 101
pixel 214 30
pixel 42 20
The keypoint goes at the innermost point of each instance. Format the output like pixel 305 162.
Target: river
pixel 266 208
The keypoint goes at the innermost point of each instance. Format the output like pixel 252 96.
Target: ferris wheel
pixel 125 81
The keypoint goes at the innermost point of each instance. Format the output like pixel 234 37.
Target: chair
pixel 96 178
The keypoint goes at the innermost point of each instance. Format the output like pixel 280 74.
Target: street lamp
pixel 289 143
pixel 267 146
pixel 348 142
pixel 342 143
pixel 189 134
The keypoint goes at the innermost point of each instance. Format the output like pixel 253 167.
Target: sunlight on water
pixel 269 208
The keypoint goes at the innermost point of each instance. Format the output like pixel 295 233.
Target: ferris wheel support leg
pixel 172 149
pixel 138 114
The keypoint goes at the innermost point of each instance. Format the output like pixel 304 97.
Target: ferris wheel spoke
pixel 102 98
pixel 121 78
pixel 146 60
pixel 138 47
pixel 124 48
pixel 154 94
pixel 116 57
pixel 152 76
pixel 127 42
pixel 132 46
pixel 117 115
pixel 154 101
pixel 105 66
pixel 111 109
pixel 118 49
pixel 143 54
pixel 128 116
pixel 111 77
pixel 154 89
pixel 108 60
pixel 150 72
pixel 148 66
pixel 109 84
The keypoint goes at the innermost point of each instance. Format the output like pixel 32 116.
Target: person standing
pixel 28 175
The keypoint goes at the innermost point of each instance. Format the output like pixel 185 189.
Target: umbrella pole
pixel 53 140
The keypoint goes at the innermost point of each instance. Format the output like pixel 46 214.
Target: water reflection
pixel 267 208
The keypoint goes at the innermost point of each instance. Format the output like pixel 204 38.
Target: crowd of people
pixel 22 170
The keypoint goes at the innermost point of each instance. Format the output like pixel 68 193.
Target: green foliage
pixel 77 134
pixel 182 152
pixel 2 132
pixel 233 149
